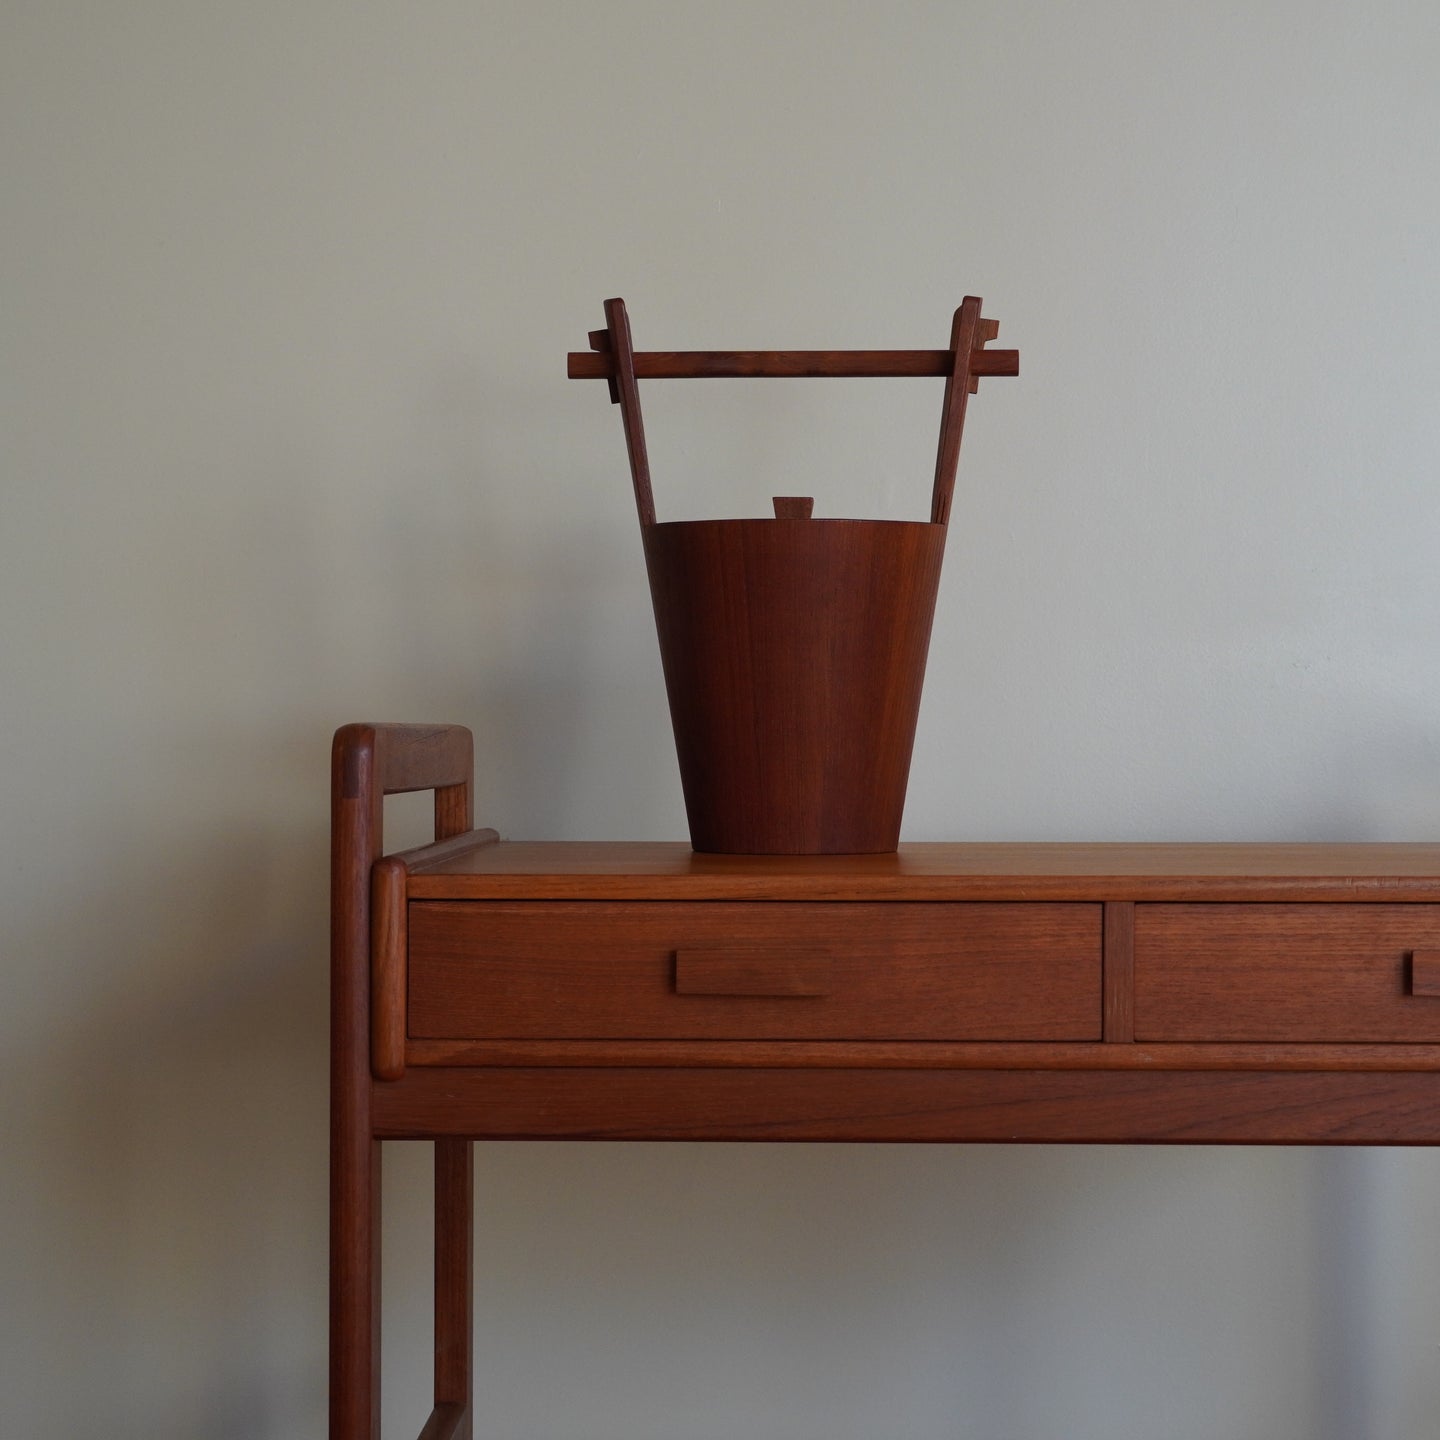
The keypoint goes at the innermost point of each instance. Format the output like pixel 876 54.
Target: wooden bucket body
pixel 794 655
pixel 794 649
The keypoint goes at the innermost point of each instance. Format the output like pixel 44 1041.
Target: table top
pixel 621 870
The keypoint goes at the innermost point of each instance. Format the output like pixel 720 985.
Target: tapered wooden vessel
pixel 794 649
pixel 794 654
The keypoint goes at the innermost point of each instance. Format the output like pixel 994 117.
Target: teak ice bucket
pixel 794 649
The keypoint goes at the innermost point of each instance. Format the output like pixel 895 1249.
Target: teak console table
pixel 486 990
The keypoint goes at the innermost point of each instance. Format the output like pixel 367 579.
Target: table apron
pixel 1003 1105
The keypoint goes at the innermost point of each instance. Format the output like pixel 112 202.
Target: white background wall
pixel 287 290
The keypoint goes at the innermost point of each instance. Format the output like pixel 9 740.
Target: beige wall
pixel 286 442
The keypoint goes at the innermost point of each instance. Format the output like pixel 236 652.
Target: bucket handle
pixel 613 358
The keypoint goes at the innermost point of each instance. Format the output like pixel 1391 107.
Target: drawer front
pixel 774 971
pixel 1322 973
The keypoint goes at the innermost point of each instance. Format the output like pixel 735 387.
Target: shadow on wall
pixel 171 1148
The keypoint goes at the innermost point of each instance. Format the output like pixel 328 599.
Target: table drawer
pixel 1284 972
pixel 774 971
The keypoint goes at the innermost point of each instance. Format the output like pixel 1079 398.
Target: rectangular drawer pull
pixel 1425 972
pixel 740 972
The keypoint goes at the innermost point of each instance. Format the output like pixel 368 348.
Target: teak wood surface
pixel 794 654
pixel 911 972
pixel 786 364
pixel 671 870
pixel 1258 994
pixel 794 649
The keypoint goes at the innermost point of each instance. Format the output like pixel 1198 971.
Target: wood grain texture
pixel 407 757
pixel 587 970
pixel 794 657
pixel 793 507
pixel 368 762
pixel 454 811
pixel 784 364
pixel 600 341
pixel 964 335
pixel 389 943
pixel 1280 996
pixel 921 1055
pixel 903 1105
pixel 670 870
pixel 389 935
pixel 1316 973
pixel 1119 972
pixel 769 971
pixel 620 357
pixel 986 331
pixel 388 964
pixel 1425 973
pixel 454 1278
pixel 437 852
pixel 355 829
pixel 446 1422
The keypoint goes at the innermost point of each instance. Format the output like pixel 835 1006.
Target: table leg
pixel 355 1291
pixel 454 1273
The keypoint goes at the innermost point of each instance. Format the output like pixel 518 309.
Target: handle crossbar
pixel 779 364
pixel 612 358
